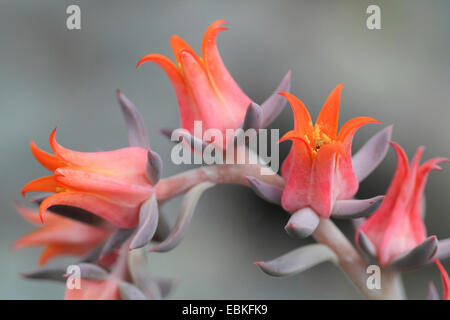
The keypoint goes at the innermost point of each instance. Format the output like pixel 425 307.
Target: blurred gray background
pixel 52 76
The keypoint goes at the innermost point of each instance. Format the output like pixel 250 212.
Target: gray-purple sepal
pixel 184 218
pixel 302 223
pixel 268 192
pixel 148 222
pixel 298 260
pixel 355 208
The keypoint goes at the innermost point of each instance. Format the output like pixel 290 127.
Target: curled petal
pixel 328 117
pixel 349 129
pixel 273 106
pixel 302 119
pixel 47 160
pixel 236 99
pixel 302 223
pixel 268 192
pixel 186 212
pixel 188 111
pixel 371 154
pixel 298 260
pixel 418 256
pixel 148 222
pixel 44 184
pixel 356 208
pixel 125 161
pixel 154 167
pixel 137 134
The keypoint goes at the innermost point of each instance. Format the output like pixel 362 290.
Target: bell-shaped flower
pixel 60 236
pixel 110 184
pixel 395 233
pixel 318 169
pixel 207 92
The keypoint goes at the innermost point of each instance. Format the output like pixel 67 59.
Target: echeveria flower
pixel 318 170
pixel 205 89
pixel 395 233
pixel 59 236
pixel 111 184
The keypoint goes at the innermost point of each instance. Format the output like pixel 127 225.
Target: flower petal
pixel 120 216
pixel 323 179
pixel 125 161
pixel 47 160
pixel 328 117
pixel 110 187
pixel 186 104
pixel 349 129
pixel 43 184
pixel 229 90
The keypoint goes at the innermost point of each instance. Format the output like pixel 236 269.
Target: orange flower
pixel 318 170
pixel 111 184
pixel 60 236
pixel 397 226
pixel 205 89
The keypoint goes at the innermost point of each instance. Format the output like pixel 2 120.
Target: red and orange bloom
pixel 60 236
pixel 395 233
pixel 205 89
pixel 445 281
pixel 111 184
pixel 318 170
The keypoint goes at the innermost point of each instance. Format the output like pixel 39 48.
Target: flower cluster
pixel 104 207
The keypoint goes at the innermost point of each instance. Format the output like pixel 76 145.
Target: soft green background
pixel 51 76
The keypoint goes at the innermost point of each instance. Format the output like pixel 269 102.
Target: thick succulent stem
pixel 354 266
pixel 226 173
pixel 326 233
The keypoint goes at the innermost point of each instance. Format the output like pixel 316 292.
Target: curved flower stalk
pixel 59 236
pixel 206 91
pixel 395 234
